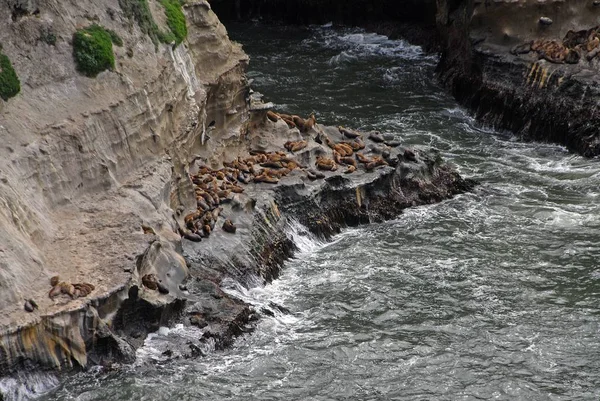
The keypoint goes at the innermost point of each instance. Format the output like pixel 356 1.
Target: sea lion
pixel 377 162
pixel 242 178
pixel 375 136
pixel 348 133
pixel 324 163
pixel 67 288
pixel 272 164
pixel 410 155
pixel 316 173
pixel 190 236
pixel 392 144
pixel 309 123
pixel 149 281
pixel 349 161
pixel 521 49
pixel 356 144
pixel 343 150
pixel 84 289
pixel 593 43
pixel 201 204
pixel 362 158
pixel 54 280
pixel 350 169
pixel 55 291
pixel 572 57
pixel 310 175
pixel 265 178
pixel 229 227
pixel 272 116
pixel 295 146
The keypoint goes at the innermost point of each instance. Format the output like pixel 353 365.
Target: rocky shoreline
pixel 253 255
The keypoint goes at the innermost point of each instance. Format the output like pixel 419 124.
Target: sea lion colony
pixel 574 46
pixel 216 187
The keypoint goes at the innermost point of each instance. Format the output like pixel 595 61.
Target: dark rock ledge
pixel 490 65
pixel 252 256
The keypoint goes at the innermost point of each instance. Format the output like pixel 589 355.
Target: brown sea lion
pixel 272 116
pixel 375 136
pixel 362 158
pixel 348 133
pixel 229 227
pixel 316 173
pixel 410 155
pixel 324 163
pixel 593 43
pixel 265 178
pixel 377 162
pixel 310 122
pixel 149 281
pixel 310 175
pixel 356 144
pixel 350 169
pixel 350 161
pixel 66 288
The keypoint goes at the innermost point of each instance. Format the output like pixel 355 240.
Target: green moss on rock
pixel 139 10
pixel 92 49
pixel 175 19
pixel 10 85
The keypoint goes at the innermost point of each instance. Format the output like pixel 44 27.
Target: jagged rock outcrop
pixel 547 94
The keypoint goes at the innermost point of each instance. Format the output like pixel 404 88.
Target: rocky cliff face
pixel 527 66
pixel 86 162
pixel 102 181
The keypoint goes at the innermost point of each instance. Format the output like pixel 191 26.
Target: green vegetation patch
pixel 139 10
pixel 115 38
pixel 9 81
pixel 175 19
pixel 93 51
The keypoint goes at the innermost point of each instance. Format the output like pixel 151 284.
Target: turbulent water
pixel 491 295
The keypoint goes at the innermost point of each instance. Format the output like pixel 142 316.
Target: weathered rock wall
pixel 85 162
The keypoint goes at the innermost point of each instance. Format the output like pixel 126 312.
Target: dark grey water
pixel 491 295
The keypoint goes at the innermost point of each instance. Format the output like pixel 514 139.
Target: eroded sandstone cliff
pixel 85 162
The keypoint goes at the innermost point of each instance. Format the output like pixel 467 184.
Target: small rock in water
pixel 545 21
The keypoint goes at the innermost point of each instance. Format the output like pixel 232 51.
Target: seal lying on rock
pixel 229 227
pixel 295 146
pixel 73 290
pixel 348 133
pixel 324 163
